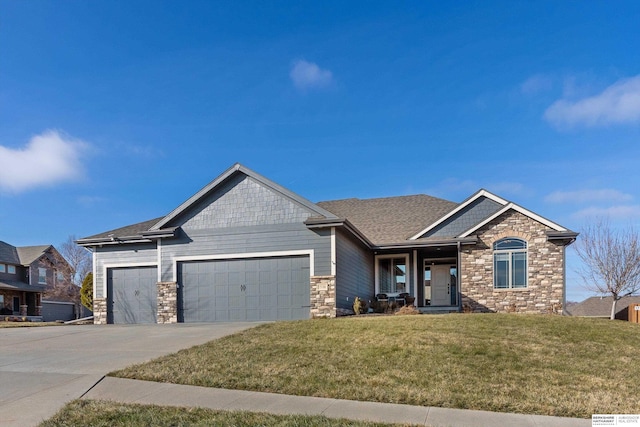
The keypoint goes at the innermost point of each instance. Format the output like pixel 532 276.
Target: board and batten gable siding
pixel 354 271
pixel 124 255
pixel 471 215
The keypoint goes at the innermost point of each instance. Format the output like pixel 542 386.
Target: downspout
pixel 459 290
pixel 564 280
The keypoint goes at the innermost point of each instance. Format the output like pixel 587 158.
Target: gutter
pixel 143 237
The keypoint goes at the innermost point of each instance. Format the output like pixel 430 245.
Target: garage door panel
pixel 246 289
pixel 132 295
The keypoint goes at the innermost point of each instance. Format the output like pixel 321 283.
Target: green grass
pixel 535 364
pixel 82 413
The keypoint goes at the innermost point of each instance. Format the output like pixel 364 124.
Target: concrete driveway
pixel 42 368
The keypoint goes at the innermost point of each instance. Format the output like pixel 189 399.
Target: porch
pixel 429 275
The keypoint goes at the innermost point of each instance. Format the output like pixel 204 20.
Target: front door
pixel 443 285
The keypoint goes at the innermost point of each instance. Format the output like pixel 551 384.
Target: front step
pixel 438 310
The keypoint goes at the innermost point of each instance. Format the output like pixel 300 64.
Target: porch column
pixel 38 304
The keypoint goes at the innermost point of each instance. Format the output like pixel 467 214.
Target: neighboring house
pixel 245 248
pixel 25 274
pixel 601 307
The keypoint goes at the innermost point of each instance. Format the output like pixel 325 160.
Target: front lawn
pixel 82 413
pixel 537 364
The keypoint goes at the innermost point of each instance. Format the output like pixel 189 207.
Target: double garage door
pixel 249 289
pixel 244 289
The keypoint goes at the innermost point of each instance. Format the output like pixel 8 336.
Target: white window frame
pixel 11 269
pixel 510 253
pixel 407 285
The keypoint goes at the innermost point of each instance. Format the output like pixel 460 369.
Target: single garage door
pixel 132 294
pixel 244 289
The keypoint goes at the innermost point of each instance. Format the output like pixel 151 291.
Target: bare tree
pixel 79 260
pixel 611 260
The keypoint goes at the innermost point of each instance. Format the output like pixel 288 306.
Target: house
pixel 600 306
pixel 25 274
pixel 245 248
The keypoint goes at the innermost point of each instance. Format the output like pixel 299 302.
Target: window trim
pixel 407 285
pixel 510 262
pixel 42 280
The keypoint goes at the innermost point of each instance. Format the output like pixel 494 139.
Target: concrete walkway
pixel 146 392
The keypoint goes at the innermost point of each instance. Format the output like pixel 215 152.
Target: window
pixel 3 268
pixel 510 264
pixel 392 274
pixel 11 269
pixel 42 276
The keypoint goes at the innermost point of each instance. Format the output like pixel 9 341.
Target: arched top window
pixel 510 263
pixel 509 243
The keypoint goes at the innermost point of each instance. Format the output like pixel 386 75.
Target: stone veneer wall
pixel 323 296
pixel 99 311
pixel 544 293
pixel 167 302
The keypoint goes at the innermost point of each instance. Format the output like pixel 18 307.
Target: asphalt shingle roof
pixel 601 306
pixel 28 254
pixel 22 255
pixel 128 231
pixel 390 219
pixel 8 254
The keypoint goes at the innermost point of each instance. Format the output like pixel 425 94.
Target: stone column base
pixel 323 296
pixel 99 311
pixel 167 302
pixel 23 310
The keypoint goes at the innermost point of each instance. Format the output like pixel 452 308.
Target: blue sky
pixel 115 112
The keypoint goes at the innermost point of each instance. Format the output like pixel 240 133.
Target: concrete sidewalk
pixel 146 392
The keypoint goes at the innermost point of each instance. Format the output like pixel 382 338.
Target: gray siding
pixel 471 215
pixel 241 202
pixel 238 240
pixel 354 270
pixel 118 255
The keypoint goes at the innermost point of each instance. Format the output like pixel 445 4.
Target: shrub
pixel 359 306
pixel 86 291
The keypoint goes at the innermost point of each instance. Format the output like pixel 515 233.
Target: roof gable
pixel 518 208
pixel 471 214
pixel 29 254
pixel 241 197
pixel 467 213
pixel 462 206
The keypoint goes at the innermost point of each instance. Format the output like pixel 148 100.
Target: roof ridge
pixel 387 198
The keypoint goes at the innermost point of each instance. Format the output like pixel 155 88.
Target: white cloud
pixel 307 75
pixel 47 159
pixel 613 212
pixel 618 103
pixel 588 196
pixel 535 84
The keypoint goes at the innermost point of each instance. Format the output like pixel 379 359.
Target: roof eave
pixel 470 240
pixel 320 223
